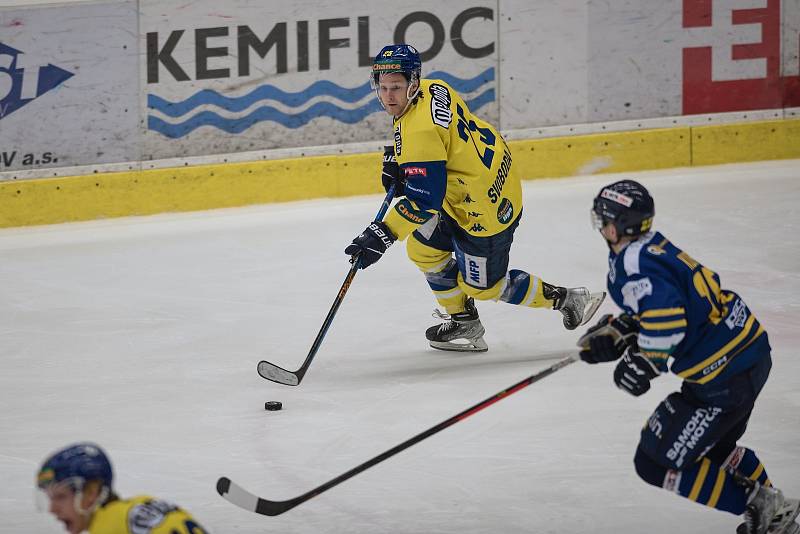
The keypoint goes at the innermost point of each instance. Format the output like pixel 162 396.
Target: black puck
pixel 273 406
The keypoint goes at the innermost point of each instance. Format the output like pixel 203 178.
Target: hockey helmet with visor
pixel 627 205
pixel 71 468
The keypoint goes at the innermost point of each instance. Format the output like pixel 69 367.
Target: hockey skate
pixel 462 332
pixel 769 512
pixel 576 304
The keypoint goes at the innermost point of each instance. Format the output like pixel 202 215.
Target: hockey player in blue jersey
pixel 676 317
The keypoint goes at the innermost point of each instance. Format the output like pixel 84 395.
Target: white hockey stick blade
pixel 277 374
pixel 595 300
pixel 237 495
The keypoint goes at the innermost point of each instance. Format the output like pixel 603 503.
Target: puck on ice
pixel 273 406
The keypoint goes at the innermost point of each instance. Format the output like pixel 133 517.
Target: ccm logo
pixel 416 171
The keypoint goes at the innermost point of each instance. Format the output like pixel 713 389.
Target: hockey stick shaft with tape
pixel 278 374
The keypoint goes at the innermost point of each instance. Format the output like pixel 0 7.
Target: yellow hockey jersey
pixel 142 515
pixel 454 162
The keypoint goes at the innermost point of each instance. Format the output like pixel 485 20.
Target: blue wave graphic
pixel 264 92
pixel 270 92
pixel 268 113
pixel 481 100
pixel 264 113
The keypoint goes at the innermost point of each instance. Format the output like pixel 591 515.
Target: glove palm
pixel 607 340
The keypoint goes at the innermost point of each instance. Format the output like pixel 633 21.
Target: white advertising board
pixel 243 76
pixel 585 61
pixel 68 85
pixel 141 80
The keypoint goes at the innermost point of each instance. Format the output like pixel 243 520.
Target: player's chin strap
pixel 409 95
pixel 98 502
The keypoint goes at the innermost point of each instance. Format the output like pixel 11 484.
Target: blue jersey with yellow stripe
pixel 684 315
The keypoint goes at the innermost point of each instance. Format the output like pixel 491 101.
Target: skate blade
pixel 787 525
pixel 468 345
pixel 791 527
pixel 595 300
pixel 792 510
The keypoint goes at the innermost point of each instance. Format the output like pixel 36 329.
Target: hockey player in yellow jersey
pixel 459 203
pixel 77 483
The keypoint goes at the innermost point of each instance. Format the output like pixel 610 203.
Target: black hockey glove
pixel 371 243
pixel 391 173
pixel 608 339
pixel 634 373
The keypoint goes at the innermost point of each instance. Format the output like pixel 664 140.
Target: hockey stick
pixel 242 498
pixel 278 374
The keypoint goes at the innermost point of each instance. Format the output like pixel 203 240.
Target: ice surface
pixel 143 334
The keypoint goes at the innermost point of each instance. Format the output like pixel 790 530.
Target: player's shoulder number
pixel 144 517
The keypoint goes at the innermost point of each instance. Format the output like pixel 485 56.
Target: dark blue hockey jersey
pixel 683 314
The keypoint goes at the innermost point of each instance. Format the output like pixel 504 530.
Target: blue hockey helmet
pixel 627 205
pixel 75 465
pixel 401 58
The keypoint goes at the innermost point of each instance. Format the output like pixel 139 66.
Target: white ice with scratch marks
pixel 143 334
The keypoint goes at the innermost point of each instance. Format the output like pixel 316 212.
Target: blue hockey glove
pixel 608 340
pixel 391 173
pixel 634 373
pixel 370 244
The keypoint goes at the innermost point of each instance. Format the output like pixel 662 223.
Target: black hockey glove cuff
pixel 391 173
pixel 370 244
pixel 634 373
pixel 607 340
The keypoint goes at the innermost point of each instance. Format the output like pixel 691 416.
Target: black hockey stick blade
pixel 242 498
pixel 278 374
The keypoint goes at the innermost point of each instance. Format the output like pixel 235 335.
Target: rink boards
pixel 230 184
pixel 133 107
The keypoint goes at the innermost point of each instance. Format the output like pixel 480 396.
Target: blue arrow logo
pixel 21 83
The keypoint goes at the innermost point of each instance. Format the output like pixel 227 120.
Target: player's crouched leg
pixel 685 445
pixel 658 451
pixel 669 457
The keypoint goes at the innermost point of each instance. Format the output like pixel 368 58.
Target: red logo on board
pixel 739 65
